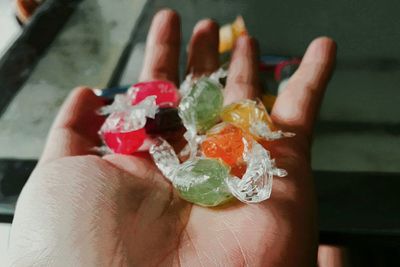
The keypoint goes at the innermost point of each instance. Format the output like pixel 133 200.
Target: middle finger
pixel 203 57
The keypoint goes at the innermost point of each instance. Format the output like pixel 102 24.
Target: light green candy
pixel 207 103
pixel 202 181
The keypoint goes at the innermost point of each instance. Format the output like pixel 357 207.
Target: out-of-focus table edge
pixel 353 207
pixel 18 62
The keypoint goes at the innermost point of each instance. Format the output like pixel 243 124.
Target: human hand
pixel 84 210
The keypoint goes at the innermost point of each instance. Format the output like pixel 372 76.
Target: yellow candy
pixel 229 33
pixel 245 115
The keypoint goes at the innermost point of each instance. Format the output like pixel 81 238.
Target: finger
pixel 243 81
pixel 203 57
pixel 162 48
pixel 74 131
pixel 332 256
pixel 297 106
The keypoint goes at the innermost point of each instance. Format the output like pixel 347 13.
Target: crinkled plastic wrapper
pixel 223 158
pixel 138 114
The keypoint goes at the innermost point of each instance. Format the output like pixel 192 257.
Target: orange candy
pixel 225 142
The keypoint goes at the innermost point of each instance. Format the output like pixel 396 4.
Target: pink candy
pixel 166 92
pixel 129 141
pixel 125 143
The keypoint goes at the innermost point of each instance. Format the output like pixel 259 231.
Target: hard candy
pixel 123 131
pixel 249 116
pixel 256 184
pixel 167 95
pixel 166 119
pixel 227 142
pixel 203 182
pixel 202 105
pixel 125 142
pixel 229 33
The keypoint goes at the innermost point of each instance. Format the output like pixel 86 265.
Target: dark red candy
pixel 167 119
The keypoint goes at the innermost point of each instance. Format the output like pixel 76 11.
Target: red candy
pixel 121 132
pixel 125 143
pixel 166 92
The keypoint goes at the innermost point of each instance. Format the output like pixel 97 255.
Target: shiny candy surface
pixel 202 182
pixel 125 142
pixel 256 184
pixel 247 115
pixel 202 105
pixel 225 141
pixel 167 95
pixel 229 33
pixel 123 131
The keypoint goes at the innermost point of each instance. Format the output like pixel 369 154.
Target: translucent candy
pixel 167 95
pixel 253 118
pixel 146 108
pixel 256 184
pixel 227 160
pixel 201 181
pixel 125 142
pixel 207 182
pixel 123 130
pixel 202 105
pixel 225 141
pixel 218 76
pixel 229 33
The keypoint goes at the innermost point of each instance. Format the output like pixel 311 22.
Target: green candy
pixel 204 103
pixel 202 181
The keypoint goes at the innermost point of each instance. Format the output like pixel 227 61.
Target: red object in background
pixel 125 143
pixel 166 92
pixel 25 9
pixel 290 65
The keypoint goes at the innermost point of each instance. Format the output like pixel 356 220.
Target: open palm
pixel 84 210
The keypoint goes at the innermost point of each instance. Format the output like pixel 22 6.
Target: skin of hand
pixel 79 209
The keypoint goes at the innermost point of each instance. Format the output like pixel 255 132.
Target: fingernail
pixel 164 16
pixel 319 49
pixel 243 40
pixel 247 43
pixel 205 24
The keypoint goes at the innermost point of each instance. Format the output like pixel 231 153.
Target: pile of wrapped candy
pixel 223 158
pixel 225 155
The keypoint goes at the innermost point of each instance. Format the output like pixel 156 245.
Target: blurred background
pixel 49 47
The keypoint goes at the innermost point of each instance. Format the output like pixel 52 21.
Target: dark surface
pixel 363 206
pixel 20 59
pixel 13 176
